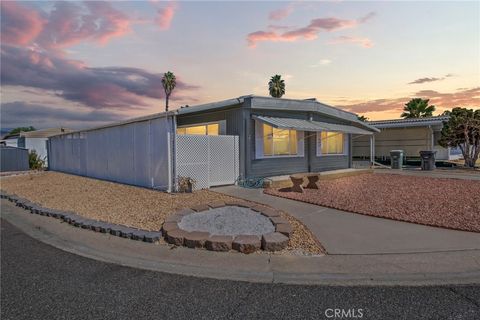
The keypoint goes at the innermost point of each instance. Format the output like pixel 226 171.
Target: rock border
pixel 274 241
pixel 85 223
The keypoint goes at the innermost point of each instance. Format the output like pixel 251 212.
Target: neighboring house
pixel 409 135
pixel 34 140
pixel 247 136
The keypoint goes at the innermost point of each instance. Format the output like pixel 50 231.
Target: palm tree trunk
pixel 166 102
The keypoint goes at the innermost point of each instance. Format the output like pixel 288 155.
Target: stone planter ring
pixel 223 226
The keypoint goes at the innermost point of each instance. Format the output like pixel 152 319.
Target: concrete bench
pixel 297 180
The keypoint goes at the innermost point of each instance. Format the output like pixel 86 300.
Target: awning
pixel 308 125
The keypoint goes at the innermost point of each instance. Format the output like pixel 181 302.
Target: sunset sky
pixel 83 64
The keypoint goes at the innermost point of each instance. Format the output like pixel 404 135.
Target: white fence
pixel 209 160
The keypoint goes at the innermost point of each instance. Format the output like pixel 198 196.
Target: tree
pixel 276 86
pixel 22 129
pixel 362 118
pixel 462 130
pixel 417 108
pixel 169 82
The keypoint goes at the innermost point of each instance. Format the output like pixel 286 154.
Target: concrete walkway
pixel 457 267
pixel 342 232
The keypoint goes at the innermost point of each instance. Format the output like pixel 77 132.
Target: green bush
pixel 35 162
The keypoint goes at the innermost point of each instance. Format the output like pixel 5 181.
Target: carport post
pixel 372 149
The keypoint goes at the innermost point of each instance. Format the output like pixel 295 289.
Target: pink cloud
pixel 70 23
pixel 20 24
pixel 464 98
pixel 165 16
pixel 364 42
pixel 310 32
pixel 281 13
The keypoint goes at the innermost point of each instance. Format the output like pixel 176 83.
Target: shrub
pixel 35 162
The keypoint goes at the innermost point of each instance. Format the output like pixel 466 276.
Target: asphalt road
pixel 42 282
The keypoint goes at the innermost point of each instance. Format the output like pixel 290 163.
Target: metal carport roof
pixel 309 125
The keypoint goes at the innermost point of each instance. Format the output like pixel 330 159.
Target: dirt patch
pixel 448 203
pixel 127 205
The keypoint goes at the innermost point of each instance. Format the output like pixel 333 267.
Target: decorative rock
pixel 274 241
pixel 175 218
pixel 105 227
pixel 246 243
pixel 238 203
pixel 176 237
pixel 278 220
pixel 269 212
pixel 195 239
pixel 152 236
pixel 200 207
pixel 216 204
pixel 95 226
pixel 284 228
pixel 169 226
pixel 219 243
pixel 184 211
pixel 126 232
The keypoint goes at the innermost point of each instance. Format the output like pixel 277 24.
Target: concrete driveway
pixel 343 232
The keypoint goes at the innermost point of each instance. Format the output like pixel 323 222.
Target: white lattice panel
pixel 210 160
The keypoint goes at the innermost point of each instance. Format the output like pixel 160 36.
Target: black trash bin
pixel 396 159
pixel 428 159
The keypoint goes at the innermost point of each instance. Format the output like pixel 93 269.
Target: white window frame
pixel 259 144
pixel 221 126
pixel 319 145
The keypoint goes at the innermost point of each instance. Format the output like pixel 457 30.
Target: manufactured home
pixel 214 143
pixel 409 135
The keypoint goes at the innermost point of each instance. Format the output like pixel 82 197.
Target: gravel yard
pixel 448 203
pixel 127 205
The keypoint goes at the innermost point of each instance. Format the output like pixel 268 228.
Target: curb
pixel 462 267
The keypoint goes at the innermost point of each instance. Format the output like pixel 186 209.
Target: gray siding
pixel 134 153
pixel 288 165
pixel 239 122
pixel 13 159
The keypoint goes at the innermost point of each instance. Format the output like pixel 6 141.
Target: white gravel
pixel 228 220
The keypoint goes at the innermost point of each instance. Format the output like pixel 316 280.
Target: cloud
pixel 281 13
pixel 363 42
pixel 322 62
pixel 465 98
pixel 309 32
pixel 107 87
pixel 165 15
pixel 19 24
pixel 15 114
pixel 70 23
pixel 430 79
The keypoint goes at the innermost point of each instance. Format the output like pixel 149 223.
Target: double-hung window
pixel 331 143
pixel 277 142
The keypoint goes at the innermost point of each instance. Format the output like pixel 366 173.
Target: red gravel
pixel 448 203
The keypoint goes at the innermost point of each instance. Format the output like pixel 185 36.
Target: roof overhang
pixel 309 125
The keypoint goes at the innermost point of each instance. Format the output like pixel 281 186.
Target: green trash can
pixel 396 159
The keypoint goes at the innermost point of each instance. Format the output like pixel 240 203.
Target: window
pixel 279 142
pixel 211 129
pixel 330 142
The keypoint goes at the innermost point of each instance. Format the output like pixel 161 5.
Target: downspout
pixel 309 145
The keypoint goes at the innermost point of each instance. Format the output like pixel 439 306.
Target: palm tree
pixel 362 118
pixel 417 108
pixel 276 86
pixel 169 82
